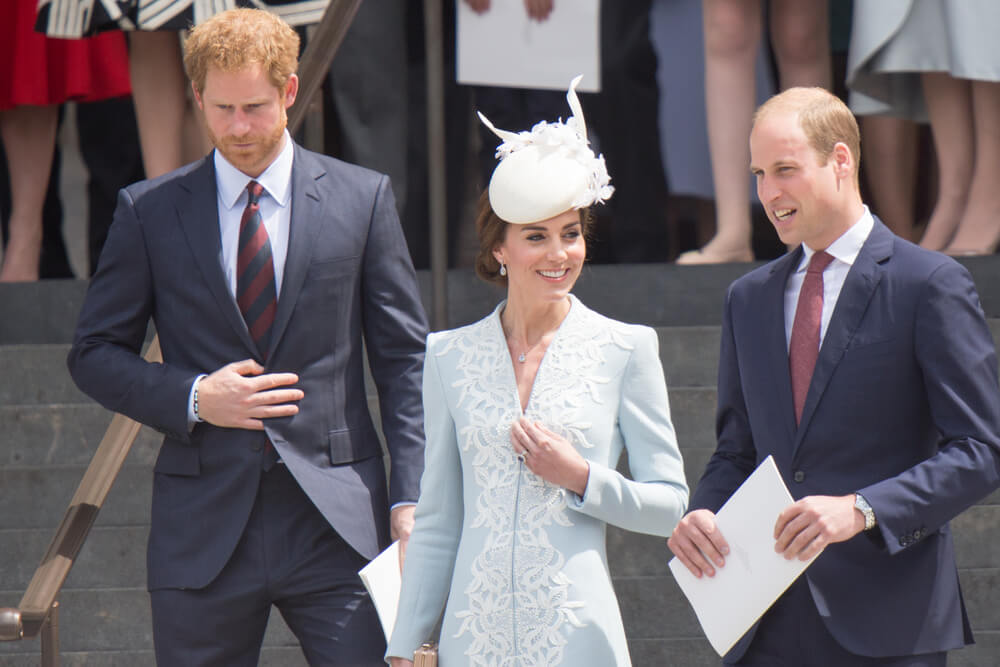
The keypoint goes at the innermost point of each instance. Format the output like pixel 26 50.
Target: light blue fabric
pixel 894 41
pixel 521 562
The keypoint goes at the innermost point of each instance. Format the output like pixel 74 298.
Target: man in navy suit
pixel 263 267
pixel 885 424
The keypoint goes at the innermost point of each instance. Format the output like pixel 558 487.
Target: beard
pixel 252 160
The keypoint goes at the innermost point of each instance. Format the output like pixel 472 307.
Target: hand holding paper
pixel 699 544
pixel 734 596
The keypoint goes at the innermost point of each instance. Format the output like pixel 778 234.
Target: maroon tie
pixel 804 347
pixel 255 288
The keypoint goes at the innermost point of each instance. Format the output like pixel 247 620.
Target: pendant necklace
pixel 523 357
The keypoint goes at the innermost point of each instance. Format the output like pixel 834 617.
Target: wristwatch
pixel 862 506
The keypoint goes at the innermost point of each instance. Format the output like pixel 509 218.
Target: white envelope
pixel 382 579
pixel 755 576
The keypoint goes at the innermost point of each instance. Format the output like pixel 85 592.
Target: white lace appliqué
pixel 518 594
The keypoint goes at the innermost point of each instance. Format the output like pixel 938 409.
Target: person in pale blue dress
pixel 526 414
pixel 939 60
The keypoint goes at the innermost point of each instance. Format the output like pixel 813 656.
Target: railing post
pixel 49 637
pixel 10 625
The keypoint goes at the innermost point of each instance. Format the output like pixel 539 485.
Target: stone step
pixel 654 294
pixel 37 497
pixel 66 434
pixel 36 375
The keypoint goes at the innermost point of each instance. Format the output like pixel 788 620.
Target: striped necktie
pixel 255 287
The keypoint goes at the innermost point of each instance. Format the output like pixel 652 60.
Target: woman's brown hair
pixel 492 231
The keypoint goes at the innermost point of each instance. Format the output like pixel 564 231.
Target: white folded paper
pixel 755 576
pixel 503 47
pixel 382 579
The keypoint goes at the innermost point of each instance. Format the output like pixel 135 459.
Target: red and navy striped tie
pixel 255 287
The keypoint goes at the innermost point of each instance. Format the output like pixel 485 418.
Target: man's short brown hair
pixel 238 38
pixel 824 119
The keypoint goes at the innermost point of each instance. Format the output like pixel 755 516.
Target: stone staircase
pixel 49 430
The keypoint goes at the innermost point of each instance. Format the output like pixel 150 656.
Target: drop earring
pixel 503 269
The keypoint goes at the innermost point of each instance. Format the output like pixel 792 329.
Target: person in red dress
pixel 37 74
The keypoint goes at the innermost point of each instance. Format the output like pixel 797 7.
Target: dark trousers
pixel 792 634
pixel 291 558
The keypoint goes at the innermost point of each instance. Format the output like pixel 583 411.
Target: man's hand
pixel 400 527
pixel 240 395
pixel 400 662
pixel 805 528
pixel 696 537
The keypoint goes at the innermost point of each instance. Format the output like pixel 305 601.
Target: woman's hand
pixel 549 456
pixel 400 662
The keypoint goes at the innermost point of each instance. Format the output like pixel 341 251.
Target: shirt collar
pixel 276 179
pixel 847 246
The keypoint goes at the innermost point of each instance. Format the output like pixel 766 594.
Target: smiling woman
pixel 526 414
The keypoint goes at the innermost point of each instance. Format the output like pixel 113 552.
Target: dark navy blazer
pixel 904 408
pixel 347 276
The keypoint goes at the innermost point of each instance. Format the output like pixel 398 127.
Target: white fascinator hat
pixel 547 171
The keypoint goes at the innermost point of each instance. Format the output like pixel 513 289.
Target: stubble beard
pixel 256 159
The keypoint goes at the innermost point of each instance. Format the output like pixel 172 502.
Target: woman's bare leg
pixel 169 133
pixel 890 167
pixel 29 138
pixel 800 37
pixel 949 104
pixel 732 35
pixel 979 230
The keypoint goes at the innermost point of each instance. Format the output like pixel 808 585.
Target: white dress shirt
pixel 844 251
pixel 275 209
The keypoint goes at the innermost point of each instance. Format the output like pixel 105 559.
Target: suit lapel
pixel 859 286
pixel 198 213
pixel 305 220
pixel 775 338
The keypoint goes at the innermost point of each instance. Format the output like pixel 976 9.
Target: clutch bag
pixel 426 655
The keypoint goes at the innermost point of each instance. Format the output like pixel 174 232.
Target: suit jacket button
pixel 799 476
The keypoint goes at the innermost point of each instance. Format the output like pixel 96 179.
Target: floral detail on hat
pixel 568 139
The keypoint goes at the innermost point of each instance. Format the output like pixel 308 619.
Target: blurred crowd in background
pixel 680 81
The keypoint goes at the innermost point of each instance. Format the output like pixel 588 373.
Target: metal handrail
pixel 37 613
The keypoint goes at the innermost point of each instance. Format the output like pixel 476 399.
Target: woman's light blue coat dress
pixel 519 564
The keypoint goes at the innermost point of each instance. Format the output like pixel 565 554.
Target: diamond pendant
pixel 520 357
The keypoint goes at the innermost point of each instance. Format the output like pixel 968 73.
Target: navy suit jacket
pixel 348 278
pixel 904 408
